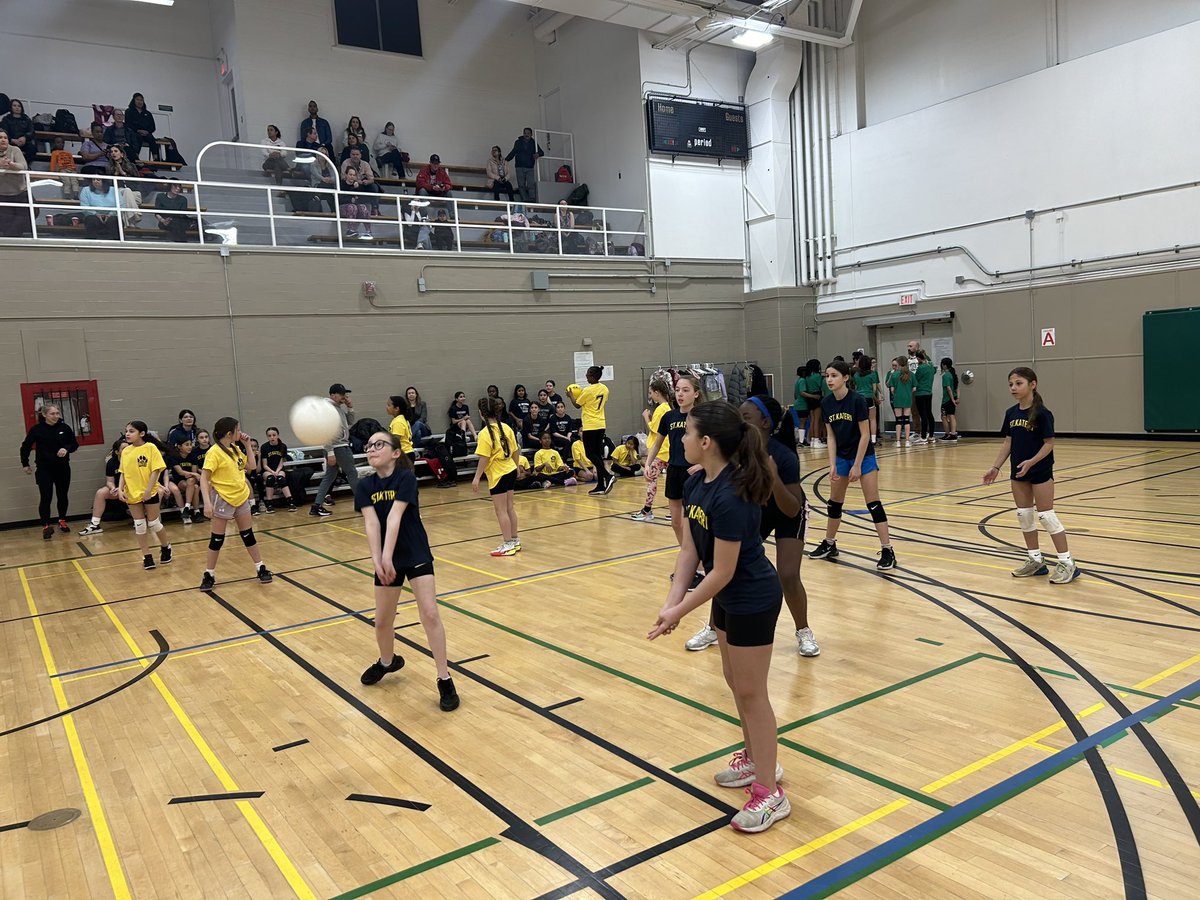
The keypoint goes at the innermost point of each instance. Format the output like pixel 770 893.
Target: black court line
pixel 204 798
pixel 283 747
pixel 408 624
pixel 560 704
pixel 159 659
pixel 389 801
pixel 519 831
pixel 471 659
pixel 82 546
pixel 15 826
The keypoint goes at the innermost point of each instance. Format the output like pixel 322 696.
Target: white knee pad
pixel 139 526
pixel 156 525
pixel 1028 518
pixel 1050 522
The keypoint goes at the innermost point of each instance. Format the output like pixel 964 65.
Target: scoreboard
pixel 697 127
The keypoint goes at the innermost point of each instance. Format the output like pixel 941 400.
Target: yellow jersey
pixel 522 461
pixel 499 462
pixel 591 401
pixel 579 456
pixel 402 430
pixel 547 462
pixel 140 466
pixel 227 474
pixel 664 450
pixel 623 456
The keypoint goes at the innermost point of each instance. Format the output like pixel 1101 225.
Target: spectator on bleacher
pixel 177 228
pixel 100 196
pixel 497 175
pixel 14 220
pixel 357 214
pixel 524 155
pixel 561 428
pixel 321 174
pixel 121 134
pixel 185 430
pixel 120 166
pixel 555 397
pixel 534 425
pixel 354 127
pixel 321 126
pixel 62 163
pixel 310 141
pixel 141 120
pixel 274 162
pixel 433 179
pixel 519 405
pixel 460 414
pixel 418 415
pixel 358 174
pixel 387 152
pixel 94 152
pixel 442 235
pixel 354 142
pixel 19 128
pixel 416 236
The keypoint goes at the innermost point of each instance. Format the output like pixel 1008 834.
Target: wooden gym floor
pixel 963 734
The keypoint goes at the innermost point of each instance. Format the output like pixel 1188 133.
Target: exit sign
pixel 908 299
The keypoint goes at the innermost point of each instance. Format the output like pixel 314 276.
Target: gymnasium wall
pixel 153 328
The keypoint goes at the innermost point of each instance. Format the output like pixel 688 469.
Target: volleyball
pixel 314 420
pixel 573 390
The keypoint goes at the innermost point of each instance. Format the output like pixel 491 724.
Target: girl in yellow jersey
pixel 581 464
pixel 626 460
pixel 226 495
pixel 142 465
pixel 397 408
pixel 592 400
pixel 548 465
pixel 660 395
pixel 498 451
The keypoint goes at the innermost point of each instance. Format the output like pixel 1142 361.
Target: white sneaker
pixel 702 639
pixel 763 810
pixel 817 443
pixel 807 643
pixel 740 772
pixel 640 516
pixel 507 548
pixel 91 529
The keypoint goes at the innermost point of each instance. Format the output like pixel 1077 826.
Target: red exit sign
pixel 908 299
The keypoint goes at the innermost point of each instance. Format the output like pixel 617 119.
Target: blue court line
pixel 904 843
pixel 241 637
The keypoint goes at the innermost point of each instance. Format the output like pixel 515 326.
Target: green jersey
pixel 902 391
pixel 924 377
pixel 949 394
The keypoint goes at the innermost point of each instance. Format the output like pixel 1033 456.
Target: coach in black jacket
pixel 55 442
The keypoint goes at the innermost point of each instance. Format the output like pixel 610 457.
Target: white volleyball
pixel 314 420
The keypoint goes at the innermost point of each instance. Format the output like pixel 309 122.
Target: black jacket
pixel 525 153
pixel 17 127
pixel 139 121
pixel 49 440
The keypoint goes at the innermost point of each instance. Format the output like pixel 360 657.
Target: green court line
pixel 417 869
pixel 928 641
pixel 910 793
pixel 324 556
pixel 592 801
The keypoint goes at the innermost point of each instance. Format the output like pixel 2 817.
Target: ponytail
pixel 739 443
pixel 948 365
pixel 225 425
pixel 663 389
pixel 905 375
pixel 492 409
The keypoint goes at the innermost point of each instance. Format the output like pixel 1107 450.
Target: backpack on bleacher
pixel 102 114
pixel 441 463
pixel 361 431
pixel 64 121
pixel 43 122
pixel 564 174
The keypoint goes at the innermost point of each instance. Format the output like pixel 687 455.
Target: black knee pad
pixel 875 508
pixel 215 541
pixel 270 481
pixel 248 537
pixel 835 509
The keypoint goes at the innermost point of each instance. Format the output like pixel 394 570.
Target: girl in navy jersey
pixel 1028 433
pixel 851 458
pixel 723 505
pixel 786 511
pixel 400 550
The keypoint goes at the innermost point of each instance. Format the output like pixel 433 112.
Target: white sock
pixel 95 521
pixel 1035 555
pixel 1066 558
pixel 212 572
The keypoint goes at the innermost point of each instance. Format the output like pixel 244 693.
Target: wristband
pixel 997 468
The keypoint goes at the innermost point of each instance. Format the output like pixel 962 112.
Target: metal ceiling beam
pixel 791 32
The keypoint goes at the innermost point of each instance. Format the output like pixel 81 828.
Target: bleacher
pixel 68 138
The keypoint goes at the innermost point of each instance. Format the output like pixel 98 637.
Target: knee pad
pixel 835 509
pixel 1050 522
pixel 875 508
pixel 139 526
pixel 156 525
pixel 215 541
pixel 1027 518
pixel 248 537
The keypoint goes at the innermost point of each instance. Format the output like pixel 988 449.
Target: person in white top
pixel 388 152
pixel 274 162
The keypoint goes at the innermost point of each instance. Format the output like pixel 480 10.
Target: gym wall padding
pixel 1169 340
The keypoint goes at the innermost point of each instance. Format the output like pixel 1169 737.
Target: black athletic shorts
pixel 407 573
pixel 153 501
pixel 813 405
pixel 949 409
pixel 1036 475
pixel 505 484
pixel 676 476
pixel 784 529
pixel 747 629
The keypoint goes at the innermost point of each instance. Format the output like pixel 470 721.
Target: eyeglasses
pixel 378 445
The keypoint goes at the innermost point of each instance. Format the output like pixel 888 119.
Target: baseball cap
pixel 435 158
pixel 338 388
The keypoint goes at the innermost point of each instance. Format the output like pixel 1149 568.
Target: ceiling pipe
pixel 547 32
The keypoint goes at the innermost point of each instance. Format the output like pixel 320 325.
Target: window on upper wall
pixel 393 26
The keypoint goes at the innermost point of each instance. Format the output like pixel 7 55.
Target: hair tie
pixel 762 407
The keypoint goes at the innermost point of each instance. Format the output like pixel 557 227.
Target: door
pixel 890 341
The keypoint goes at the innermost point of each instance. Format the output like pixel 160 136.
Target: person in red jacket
pixel 433 180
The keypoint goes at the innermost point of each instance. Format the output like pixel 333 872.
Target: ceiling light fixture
pixel 157 2
pixel 752 40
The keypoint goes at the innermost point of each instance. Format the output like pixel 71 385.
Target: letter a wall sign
pixel 1049 339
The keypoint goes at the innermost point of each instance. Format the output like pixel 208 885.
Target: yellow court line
pixel 286 867
pixel 1167 673
pixel 108 850
pixel 812 846
pixel 438 558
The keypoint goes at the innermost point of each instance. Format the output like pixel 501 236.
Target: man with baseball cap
pixel 338 457
pixel 433 179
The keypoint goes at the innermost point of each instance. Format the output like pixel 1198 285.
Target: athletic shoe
pixel 1065 573
pixel 91 529
pixel 268 508
pixel 63 526
pixel 264 575
pixel 164 555
pixel 887 559
pixel 740 772
pixel 596 491
pixel 208 582
pixel 612 480
pixel 350 232
pixel 696 579
pixel 642 515
pixel 920 440
pixel 199 516
pixel 377 669
pixel 47 532
pixel 320 512
pixel 702 639
pixel 825 550
pixel 448 696
pixel 807 644
pixel 763 810
pixel 908 442
pixel 817 444
pixel 1031 567
pixel 508 548
pixel 570 482
pixel 148 562
pixel 516 542
pixel 366 236
pixel 185 518
pixel 329 501
pixel 292 507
